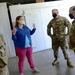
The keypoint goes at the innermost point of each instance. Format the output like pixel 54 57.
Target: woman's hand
pixel 33 25
pixel 14 31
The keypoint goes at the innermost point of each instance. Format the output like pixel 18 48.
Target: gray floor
pixel 43 62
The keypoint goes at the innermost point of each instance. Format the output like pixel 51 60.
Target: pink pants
pixel 21 53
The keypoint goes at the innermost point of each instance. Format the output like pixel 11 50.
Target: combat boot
pixel 69 64
pixel 55 62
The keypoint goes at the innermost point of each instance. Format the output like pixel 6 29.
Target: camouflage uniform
pixel 72 36
pixel 59 36
pixel 3 58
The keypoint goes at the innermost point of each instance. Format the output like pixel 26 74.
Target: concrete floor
pixel 43 61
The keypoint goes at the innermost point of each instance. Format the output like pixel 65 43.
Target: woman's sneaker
pixel 35 70
pixel 21 74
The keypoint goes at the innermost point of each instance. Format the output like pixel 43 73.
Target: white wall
pixel 6 30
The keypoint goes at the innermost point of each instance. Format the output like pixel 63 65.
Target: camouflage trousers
pixel 72 42
pixel 4 71
pixel 62 43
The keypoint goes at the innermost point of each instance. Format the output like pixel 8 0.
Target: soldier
pixel 59 24
pixel 72 30
pixel 3 58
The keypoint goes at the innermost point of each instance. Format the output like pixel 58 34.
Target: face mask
pixel 54 15
pixel 71 16
pixel 22 22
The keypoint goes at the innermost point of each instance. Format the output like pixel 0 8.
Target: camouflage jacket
pixel 58 25
pixel 72 36
pixel 3 55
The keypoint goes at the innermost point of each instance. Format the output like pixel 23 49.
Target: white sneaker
pixel 35 70
pixel 21 74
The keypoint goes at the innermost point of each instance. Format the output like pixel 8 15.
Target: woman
pixel 21 36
